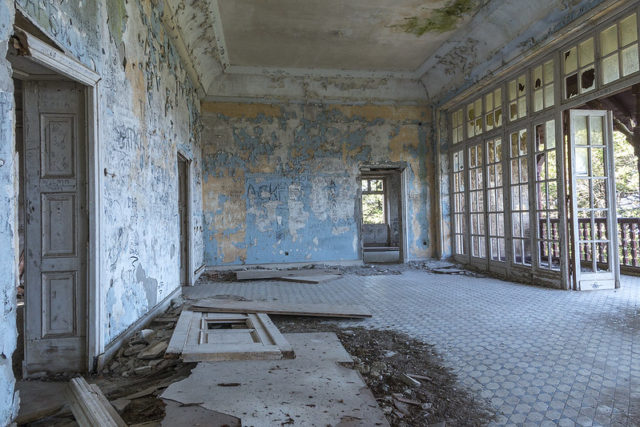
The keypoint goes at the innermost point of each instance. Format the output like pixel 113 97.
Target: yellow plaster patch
pixel 406 137
pixel 241 110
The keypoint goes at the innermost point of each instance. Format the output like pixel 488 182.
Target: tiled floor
pixel 539 356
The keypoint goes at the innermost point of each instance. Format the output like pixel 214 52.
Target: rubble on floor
pixel 406 376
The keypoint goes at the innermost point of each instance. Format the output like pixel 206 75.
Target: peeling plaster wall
pixel 148 110
pixel 9 399
pixel 280 181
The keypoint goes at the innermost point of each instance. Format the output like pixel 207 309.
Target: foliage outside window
pixel 373 211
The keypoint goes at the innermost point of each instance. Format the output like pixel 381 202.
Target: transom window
pixel 517 89
pixel 493 105
pixel 619 49
pixel 543 88
pixel 474 118
pixel 457 122
pixel 579 69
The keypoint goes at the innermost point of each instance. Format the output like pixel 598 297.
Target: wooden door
pixel 183 197
pixel 593 202
pixel 56 227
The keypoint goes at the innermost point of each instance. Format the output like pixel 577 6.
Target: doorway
pixel 381 213
pixel 183 214
pixel 56 146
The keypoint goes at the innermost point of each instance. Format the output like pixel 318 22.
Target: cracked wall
pixel 9 399
pixel 280 181
pixel 148 110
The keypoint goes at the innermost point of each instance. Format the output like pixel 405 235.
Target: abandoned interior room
pixel 339 212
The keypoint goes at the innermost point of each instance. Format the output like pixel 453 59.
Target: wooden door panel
pixel 56 227
pixel 58 289
pixel 58 224
pixel 58 151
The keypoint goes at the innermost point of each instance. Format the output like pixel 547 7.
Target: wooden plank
pixel 290 309
pixel 315 279
pixel 90 407
pixel 275 274
pixel 275 336
pixel 179 337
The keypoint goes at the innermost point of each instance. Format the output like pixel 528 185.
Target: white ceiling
pixel 357 50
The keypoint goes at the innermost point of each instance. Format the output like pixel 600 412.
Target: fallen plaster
pixel 313 389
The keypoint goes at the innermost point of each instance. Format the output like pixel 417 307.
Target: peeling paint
pixel 302 206
pixel 441 20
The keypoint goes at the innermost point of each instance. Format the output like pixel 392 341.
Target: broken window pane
pixel 571 84
pixel 588 79
pixel 570 61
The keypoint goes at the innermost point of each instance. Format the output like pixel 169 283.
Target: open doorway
pixel 381 225
pixel 600 206
pixel 183 214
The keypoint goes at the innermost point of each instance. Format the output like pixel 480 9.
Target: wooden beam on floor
pixel 90 407
pixel 286 309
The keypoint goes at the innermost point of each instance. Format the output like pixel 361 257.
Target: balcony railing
pixel 628 241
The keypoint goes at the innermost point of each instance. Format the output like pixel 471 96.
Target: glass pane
pixel 551 165
pixel 365 185
pixel 551 134
pixel 585 52
pixel 628 30
pixel 630 60
pixel 595 124
pixel 497 97
pixel 522 107
pixel 542 197
pixel 515 198
pixel 548 72
pixel 523 142
pixel 548 96
pixel 524 176
pixel 488 101
pixel 610 69
pixel 570 61
pixel 537 77
pixel 609 40
pixel 513 94
pixel 580 130
pixel 538 100
pixel 582 161
pixel 498 117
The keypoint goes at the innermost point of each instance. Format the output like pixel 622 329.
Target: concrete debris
pixel 153 351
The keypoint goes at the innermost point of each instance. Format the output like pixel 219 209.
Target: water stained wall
pixel 148 110
pixel 280 181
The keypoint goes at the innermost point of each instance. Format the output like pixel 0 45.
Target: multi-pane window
pixel 542 82
pixel 493 108
pixel 476 197
pixel 373 201
pixel 520 227
pixel 517 91
pixel 548 222
pixel 457 125
pixel 619 49
pixel 459 215
pixel 495 205
pixel 474 118
pixel 579 69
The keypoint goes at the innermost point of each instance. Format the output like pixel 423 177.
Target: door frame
pixel 61 63
pixel 182 155
pixel 612 222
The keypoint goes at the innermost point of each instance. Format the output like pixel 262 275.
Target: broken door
pixel 593 208
pixel 183 197
pixel 56 227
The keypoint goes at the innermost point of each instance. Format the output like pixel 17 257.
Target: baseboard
pixel 356 262
pixel 146 319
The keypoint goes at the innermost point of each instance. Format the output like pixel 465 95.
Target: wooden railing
pixel 628 241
